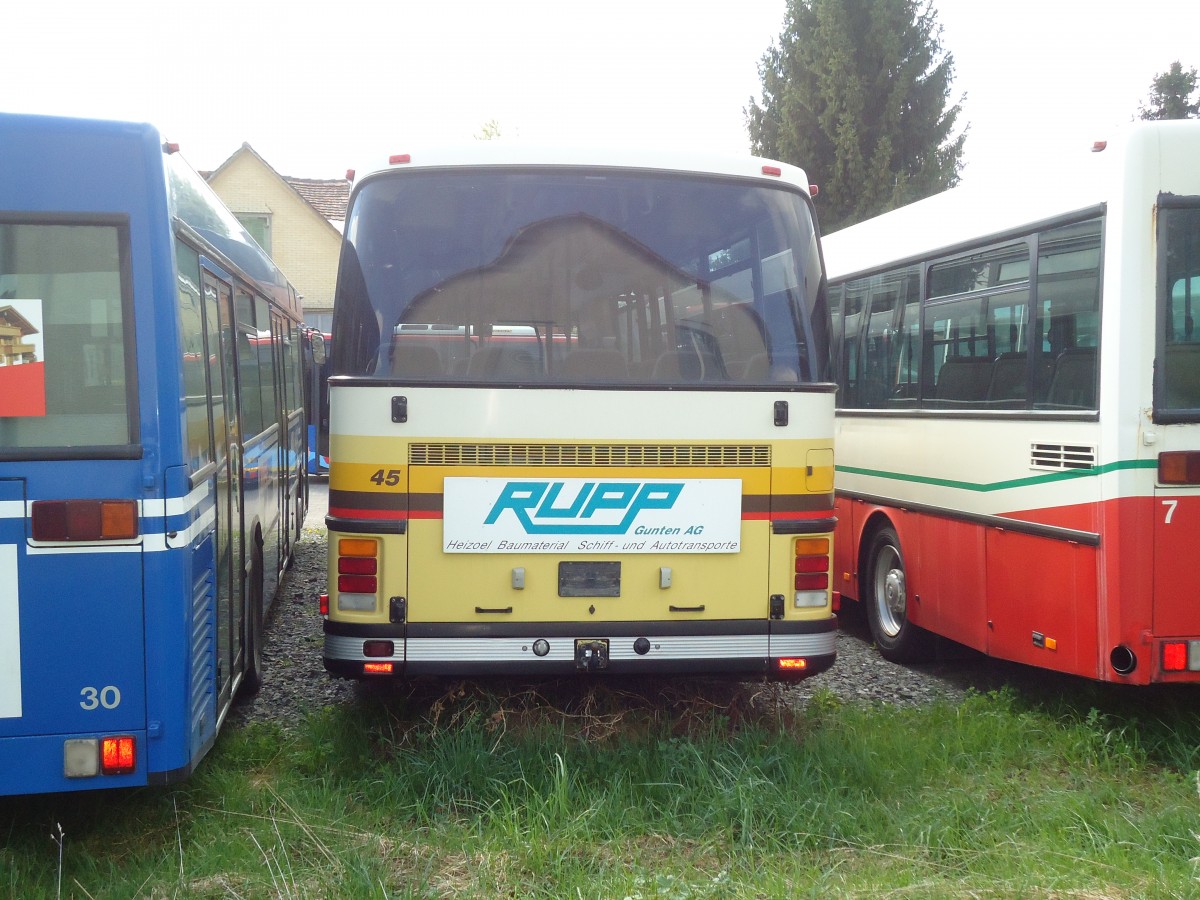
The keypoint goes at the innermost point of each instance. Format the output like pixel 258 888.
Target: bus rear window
pixel 64 362
pixel 579 277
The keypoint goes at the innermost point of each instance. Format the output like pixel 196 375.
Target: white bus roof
pixel 518 154
pixel 971 213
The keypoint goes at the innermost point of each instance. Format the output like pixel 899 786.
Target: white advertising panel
pixel 10 635
pixel 592 515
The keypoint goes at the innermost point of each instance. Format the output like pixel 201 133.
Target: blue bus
pixel 316 398
pixel 152 447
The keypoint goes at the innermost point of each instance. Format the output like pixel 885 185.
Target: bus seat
pixel 964 378
pixel 594 365
pixel 686 365
pixel 1074 381
pixel 505 361
pixel 1182 376
pixel 758 368
pixel 1008 376
pixel 416 359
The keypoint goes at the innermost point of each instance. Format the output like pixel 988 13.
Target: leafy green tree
pixel 856 92
pixel 1171 95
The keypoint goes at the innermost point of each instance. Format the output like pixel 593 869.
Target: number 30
pixel 108 696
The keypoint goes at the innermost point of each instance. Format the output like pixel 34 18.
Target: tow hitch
pixel 591 655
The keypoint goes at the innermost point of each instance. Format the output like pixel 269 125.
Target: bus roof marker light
pixel 399 159
pixel 1098 146
pixel 772 170
pixel 814 189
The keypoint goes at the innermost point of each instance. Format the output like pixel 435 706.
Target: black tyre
pixel 252 681
pixel 887 601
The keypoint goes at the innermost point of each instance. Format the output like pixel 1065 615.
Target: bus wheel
pixel 898 639
pixel 252 681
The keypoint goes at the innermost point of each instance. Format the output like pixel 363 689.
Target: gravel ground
pixel 296 681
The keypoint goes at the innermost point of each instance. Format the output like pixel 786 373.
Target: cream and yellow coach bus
pixel 581 420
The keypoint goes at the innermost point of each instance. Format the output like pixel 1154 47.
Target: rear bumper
pixel 747 648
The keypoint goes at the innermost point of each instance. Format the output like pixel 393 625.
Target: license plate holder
pixel 589 579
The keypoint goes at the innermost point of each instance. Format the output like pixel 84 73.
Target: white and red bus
pixel 1019 414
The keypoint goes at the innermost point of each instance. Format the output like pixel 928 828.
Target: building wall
pixel 304 245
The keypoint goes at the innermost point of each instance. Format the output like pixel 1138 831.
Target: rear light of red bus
pixel 1179 467
pixel 1181 656
pixel 84 520
pixel 812 572
pixel 358 575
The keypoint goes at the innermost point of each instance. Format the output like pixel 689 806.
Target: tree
pixel 856 93
pixel 1171 95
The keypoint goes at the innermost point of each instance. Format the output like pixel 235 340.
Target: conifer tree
pixel 856 93
pixel 1173 95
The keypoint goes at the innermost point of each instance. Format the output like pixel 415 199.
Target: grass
pixel 701 790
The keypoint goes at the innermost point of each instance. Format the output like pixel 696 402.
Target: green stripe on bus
pixel 1089 472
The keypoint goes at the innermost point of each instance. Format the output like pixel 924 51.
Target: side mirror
pixel 318 347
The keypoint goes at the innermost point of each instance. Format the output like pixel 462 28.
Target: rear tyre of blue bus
pixel 252 680
pixel 887 601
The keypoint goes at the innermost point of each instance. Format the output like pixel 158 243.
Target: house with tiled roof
pixel 297 220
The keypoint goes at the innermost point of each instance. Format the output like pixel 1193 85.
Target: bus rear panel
pixel 579 424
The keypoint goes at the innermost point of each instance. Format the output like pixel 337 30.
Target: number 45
pixel 391 478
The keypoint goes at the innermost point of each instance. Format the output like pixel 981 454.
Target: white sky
pixel 317 86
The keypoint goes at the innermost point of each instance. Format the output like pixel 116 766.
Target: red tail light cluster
pixel 358 574
pixel 84 520
pixel 812 572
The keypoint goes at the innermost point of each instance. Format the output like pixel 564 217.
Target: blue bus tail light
pixel 84 520
pixel 118 755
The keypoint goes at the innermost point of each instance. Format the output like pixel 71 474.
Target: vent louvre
pixel 680 455
pixel 1062 456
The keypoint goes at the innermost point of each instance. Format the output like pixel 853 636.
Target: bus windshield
pixel 579 276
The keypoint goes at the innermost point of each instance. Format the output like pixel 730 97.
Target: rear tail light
pixel 1179 467
pixel 378 668
pixel 812 572
pixel 118 755
pixel 84 520
pixel 358 575
pixel 1181 656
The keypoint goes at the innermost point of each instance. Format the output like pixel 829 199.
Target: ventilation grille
pixel 1062 456
pixel 588 455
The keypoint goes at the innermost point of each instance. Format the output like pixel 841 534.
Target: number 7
pixel 1170 505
